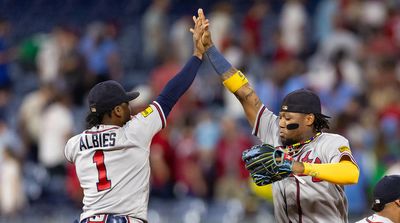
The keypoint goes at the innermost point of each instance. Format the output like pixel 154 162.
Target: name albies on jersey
pixel 112 161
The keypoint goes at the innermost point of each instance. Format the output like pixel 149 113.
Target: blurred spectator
pixel 49 56
pixel 340 38
pixel 189 174
pixel 252 27
pixel 181 39
pixel 207 133
pixel 231 174
pixel 55 129
pixel 222 23
pixel 72 67
pixel 73 188
pixel 30 118
pixel 100 50
pixel 162 162
pixel 351 13
pixel 345 83
pixel 154 25
pixel 160 75
pixel 5 54
pixel 293 26
pixel 324 17
pixel 269 31
pixel 374 13
pixel 12 195
pixel 28 52
pixel 349 124
pixel 284 78
pixel 383 86
pixel 59 60
pixel 392 24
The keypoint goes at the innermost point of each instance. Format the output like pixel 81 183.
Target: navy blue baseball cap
pixel 105 95
pixel 302 101
pixel 386 190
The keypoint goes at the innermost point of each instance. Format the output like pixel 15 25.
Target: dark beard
pixel 289 142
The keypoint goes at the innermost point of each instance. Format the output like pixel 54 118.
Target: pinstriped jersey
pixel 112 164
pixel 312 200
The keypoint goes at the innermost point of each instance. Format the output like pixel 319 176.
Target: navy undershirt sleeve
pixel 178 85
pixel 217 60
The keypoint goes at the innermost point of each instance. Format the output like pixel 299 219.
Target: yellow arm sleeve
pixel 344 172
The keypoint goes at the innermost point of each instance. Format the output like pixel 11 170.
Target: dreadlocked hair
pixel 95 119
pixel 378 207
pixel 320 122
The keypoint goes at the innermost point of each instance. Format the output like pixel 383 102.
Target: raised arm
pixel 178 85
pixel 234 80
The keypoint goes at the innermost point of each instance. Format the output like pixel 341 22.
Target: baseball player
pixel 112 156
pixel 386 201
pixel 321 163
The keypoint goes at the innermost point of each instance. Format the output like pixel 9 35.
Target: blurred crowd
pixel 346 50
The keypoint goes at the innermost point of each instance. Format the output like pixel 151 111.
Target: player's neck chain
pixel 295 148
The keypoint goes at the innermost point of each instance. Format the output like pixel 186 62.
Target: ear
pixel 118 111
pixel 309 119
pixel 397 202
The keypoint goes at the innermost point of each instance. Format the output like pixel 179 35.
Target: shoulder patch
pixel 147 111
pixel 344 149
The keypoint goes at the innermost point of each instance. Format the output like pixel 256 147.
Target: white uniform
pixel 315 200
pixel 375 219
pixel 112 164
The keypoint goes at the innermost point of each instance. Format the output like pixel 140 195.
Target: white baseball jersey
pixel 313 200
pixel 112 164
pixel 375 219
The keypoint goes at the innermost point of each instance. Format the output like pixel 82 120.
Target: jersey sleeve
pixel 146 124
pixel 68 151
pixel 338 147
pixel 266 126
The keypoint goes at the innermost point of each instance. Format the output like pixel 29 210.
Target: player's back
pixel 113 170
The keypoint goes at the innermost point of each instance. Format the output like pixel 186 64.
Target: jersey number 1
pixel 103 183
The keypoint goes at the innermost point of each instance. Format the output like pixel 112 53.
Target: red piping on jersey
pixel 298 201
pixel 160 113
pixel 94 132
pixel 258 120
pixel 373 221
pixel 351 158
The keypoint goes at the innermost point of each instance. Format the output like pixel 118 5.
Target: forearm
pixel 178 85
pixel 250 101
pixel 235 82
pixel 344 172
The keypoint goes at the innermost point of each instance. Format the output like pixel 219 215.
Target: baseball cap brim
pixel 325 116
pixel 132 95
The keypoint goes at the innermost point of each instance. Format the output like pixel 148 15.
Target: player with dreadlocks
pixel 307 166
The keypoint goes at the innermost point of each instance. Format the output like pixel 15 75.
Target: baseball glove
pixel 267 164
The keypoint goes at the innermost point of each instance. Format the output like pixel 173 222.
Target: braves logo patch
pixel 147 111
pixel 343 149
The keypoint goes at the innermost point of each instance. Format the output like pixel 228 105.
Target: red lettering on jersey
pixel 306 159
pixel 314 179
pixel 103 183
